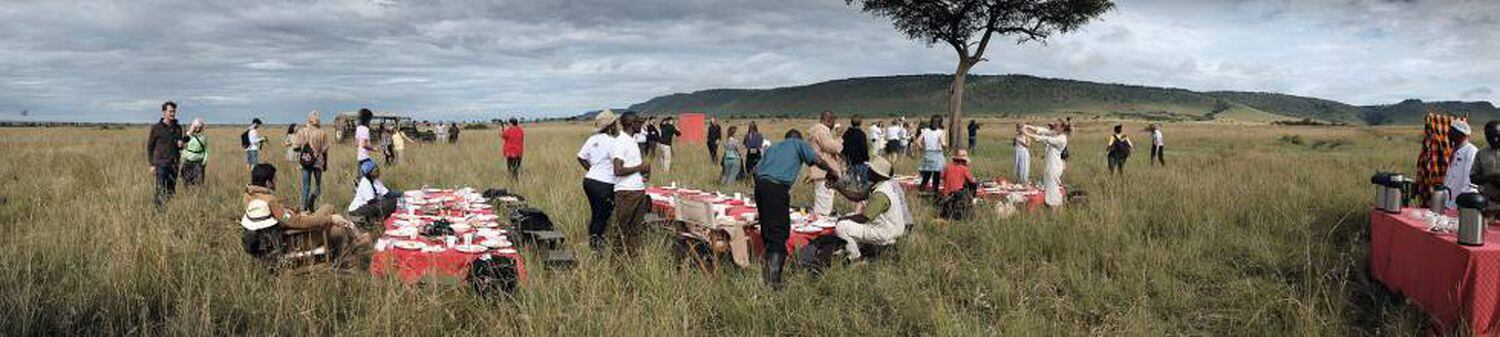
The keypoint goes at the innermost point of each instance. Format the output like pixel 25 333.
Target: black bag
pixel 530 219
pixel 493 276
pixel 1120 148
pixel 308 158
pixel 245 139
pixel 818 254
pixel 1065 154
pixel 264 243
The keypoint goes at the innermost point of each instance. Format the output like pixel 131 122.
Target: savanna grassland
pixel 1250 230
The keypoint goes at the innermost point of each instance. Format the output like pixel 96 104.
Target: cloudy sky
pixel 471 59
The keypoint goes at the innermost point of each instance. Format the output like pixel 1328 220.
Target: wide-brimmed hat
pixel 258 215
pixel 1462 127
pixel 605 118
pixel 961 155
pixel 880 167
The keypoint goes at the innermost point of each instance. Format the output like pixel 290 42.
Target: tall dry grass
pixel 1241 235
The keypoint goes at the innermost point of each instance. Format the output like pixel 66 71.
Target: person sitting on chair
pixel 297 231
pixel 885 215
pixel 1486 170
pixel 373 202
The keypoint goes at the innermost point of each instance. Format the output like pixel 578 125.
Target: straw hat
pixel 961 155
pixel 1462 127
pixel 604 118
pixel 881 167
pixel 258 215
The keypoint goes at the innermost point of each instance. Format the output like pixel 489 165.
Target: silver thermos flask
pixel 1379 180
pixel 1471 219
pixel 1393 196
pixel 1439 202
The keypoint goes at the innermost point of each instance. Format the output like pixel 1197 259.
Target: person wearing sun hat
pixel 1457 178
pixel 599 175
pixel 263 210
pixel 957 192
pixel 885 215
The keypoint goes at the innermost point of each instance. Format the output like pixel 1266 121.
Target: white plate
pixel 808 230
pixel 507 251
pixel 402 232
pixel 496 243
pixel 458 227
pixel 471 248
pixel 825 224
pixel 410 245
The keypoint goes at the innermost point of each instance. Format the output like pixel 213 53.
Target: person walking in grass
pixel 714 134
pixel 194 154
pixel 1118 150
pixel 754 147
pixel 732 159
pixel 774 176
pixel 933 140
pixel 856 152
pixel 631 203
pixel 666 133
pixel 877 138
pixel 289 141
pixel 1056 139
pixel 596 158
pixel 1023 155
pixel 893 141
pixel 363 144
pixel 515 145
pixel 973 135
pixel 163 150
pixel 312 147
pixel 253 144
pixel 1158 146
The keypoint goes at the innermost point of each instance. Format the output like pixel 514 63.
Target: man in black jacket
pixel 714 133
pixel 856 152
pixel 163 148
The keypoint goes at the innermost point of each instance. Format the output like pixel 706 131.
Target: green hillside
pixel 1022 95
pixel 1411 111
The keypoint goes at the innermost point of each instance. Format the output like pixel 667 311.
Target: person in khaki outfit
pixel 828 148
pixel 311 229
pixel 312 139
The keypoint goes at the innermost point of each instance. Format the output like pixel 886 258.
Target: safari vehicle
pixel 346 122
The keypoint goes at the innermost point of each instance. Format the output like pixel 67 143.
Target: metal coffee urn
pixel 1439 202
pixel 1388 191
pixel 1379 180
pixel 1471 219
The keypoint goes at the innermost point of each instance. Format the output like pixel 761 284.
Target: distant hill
pixel 1411 111
pixel 1020 95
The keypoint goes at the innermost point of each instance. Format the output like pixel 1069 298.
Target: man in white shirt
pixel 893 139
pixel 631 202
pixel 1158 146
pixel 877 138
pixel 252 150
pixel 597 159
pixel 373 202
pixel 1457 177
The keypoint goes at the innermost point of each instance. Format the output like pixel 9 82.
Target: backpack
pixel 309 158
pixel 264 243
pixel 530 219
pixel 1120 148
pixel 245 139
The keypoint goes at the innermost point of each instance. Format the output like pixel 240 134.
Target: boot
pixel 771 270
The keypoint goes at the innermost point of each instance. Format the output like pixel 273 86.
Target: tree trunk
pixel 956 105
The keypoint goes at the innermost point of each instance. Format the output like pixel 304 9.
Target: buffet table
pixel 1456 285
pixel 414 248
pixel 995 190
pixel 739 211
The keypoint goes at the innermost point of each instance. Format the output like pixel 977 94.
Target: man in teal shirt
pixel 774 175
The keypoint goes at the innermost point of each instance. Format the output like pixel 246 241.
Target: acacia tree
pixel 968 26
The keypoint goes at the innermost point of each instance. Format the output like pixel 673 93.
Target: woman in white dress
pixel 1023 156
pixel 1056 139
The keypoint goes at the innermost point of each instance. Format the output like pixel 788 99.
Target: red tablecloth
pixel 448 265
pixel 1454 284
pixel 1034 197
pixel 737 210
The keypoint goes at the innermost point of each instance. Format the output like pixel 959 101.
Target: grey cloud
pixel 472 59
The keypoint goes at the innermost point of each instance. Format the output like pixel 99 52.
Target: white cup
pixel 451 240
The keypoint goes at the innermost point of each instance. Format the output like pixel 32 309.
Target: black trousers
pixel 935 177
pixel 514 164
pixel 773 202
pixel 713 152
pixel 166 184
pixel 601 197
pixel 1159 154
